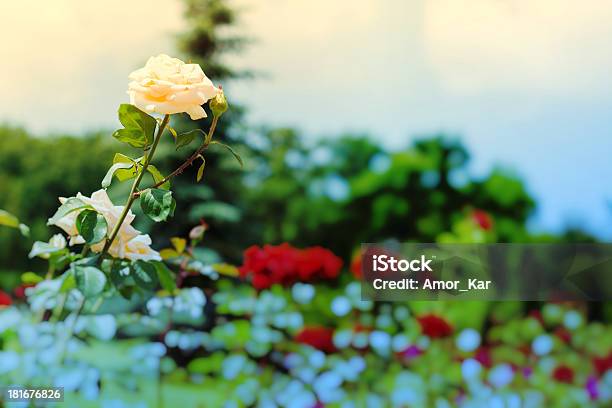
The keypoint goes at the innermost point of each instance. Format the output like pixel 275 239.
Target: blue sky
pixel 525 84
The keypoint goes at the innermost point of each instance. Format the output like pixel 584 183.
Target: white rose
pixel 129 242
pixel 102 204
pixel 139 248
pixel 167 85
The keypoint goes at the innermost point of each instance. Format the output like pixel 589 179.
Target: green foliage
pixel 165 276
pixel 231 150
pixel 108 178
pixel 157 204
pixel 92 226
pixel 89 280
pixel 184 139
pixel 138 127
pixel 9 220
pixel 145 274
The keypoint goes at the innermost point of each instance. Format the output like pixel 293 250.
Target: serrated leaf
pixel 108 178
pixel 91 226
pixel 157 177
pixel 231 150
pixel 72 204
pixel 127 173
pixel 89 280
pixel 144 274
pixel 119 273
pixel 165 276
pixel 186 138
pixel 157 204
pixel 139 127
pixel 201 170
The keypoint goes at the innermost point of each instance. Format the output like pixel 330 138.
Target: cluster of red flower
pixel 5 299
pixel 286 265
pixel 434 326
pixel 318 337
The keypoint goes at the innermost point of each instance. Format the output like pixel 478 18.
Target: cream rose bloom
pixel 129 242
pixel 167 85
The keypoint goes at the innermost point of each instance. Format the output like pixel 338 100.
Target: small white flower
pixel 468 340
pixel 542 345
pixel 572 320
pixel 470 369
pixel 341 306
pixel 501 375
pixel 302 292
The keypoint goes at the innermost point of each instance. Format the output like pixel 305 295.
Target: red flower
pixel 356 265
pixel 603 364
pixel 19 291
pixel 5 299
pixel 434 326
pixel 537 315
pixel 320 338
pixel 483 356
pixel 285 265
pixel 482 219
pixel 563 334
pixel 563 374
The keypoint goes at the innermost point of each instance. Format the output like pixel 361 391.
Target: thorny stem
pixel 136 183
pixel 191 158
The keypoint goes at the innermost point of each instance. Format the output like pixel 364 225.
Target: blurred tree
pixel 34 172
pixel 208 37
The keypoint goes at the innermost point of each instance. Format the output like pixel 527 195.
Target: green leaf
pixel 72 204
pixel 92 226
pixel 42 248
pixel 89 280
pixel 179 244
pixel 145 274
pixel 119 274
pixel 129 172
pixel 232 151
pixel 186 138
pixel 108 178
pixel 30 278
pixel 201 170
pixel 9 220
pixel 157 204
pixel 172 131
pixel 68 283
pixel 157 177
pixel 165 276
pixel 139 127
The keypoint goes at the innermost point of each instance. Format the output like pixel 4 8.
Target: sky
pixel 524 84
